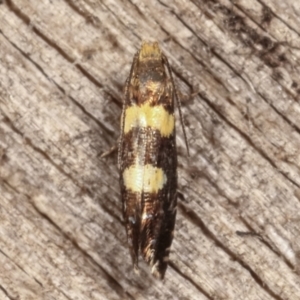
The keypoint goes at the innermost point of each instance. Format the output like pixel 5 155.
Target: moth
pixel 147 158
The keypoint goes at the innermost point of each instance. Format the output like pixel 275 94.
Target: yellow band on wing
pixel 147 178
pixel 155 117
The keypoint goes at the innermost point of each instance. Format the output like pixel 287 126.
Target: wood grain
pixel 63 65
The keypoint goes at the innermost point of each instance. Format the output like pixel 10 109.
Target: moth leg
pixel 109 152
pixel 186 98
pixel 181 196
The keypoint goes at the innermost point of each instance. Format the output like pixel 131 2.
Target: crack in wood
pixel 196 220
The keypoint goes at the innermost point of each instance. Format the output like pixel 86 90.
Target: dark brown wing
pixel 148 160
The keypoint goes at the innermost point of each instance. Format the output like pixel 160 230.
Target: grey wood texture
pixel 63 65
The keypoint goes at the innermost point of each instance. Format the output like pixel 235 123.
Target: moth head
pixel 149 50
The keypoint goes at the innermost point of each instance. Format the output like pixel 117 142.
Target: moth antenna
pixel 178 103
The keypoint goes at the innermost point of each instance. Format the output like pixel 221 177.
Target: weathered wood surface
pixel 62 69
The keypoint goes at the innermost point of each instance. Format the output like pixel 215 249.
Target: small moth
pixel 147 158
